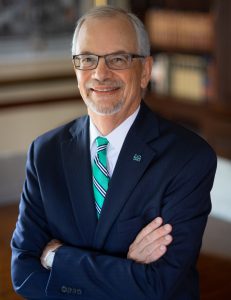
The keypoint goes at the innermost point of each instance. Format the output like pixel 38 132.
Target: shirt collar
pixel 117 136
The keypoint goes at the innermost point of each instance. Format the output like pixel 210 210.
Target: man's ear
pixel 146 72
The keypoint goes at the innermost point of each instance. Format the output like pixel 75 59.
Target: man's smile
pixel 104 90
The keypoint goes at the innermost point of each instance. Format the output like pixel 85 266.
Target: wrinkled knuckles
pixel 147 239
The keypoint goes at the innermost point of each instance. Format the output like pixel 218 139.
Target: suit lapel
pixel 77 166
pixel 134 158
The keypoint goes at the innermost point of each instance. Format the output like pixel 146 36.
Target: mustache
pixel 105 83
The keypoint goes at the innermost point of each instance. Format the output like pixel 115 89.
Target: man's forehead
pixel 117 23
pixel 117 32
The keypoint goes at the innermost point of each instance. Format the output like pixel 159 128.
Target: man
pixel 95 212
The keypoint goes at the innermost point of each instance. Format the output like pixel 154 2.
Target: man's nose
pixel 101 72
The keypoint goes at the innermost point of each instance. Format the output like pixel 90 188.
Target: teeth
pixel 105 90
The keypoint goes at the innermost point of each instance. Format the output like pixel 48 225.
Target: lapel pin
pixel 137 157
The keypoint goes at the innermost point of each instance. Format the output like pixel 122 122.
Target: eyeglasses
pixel 118 61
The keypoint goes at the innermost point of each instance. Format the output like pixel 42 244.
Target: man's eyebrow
pixel 120 52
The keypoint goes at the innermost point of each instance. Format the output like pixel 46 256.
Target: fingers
pixel 151 233
pixel 155 250
pixel 151 252
pixel 151 243
pixel 148 229
pixel 51 246
pixel 157 254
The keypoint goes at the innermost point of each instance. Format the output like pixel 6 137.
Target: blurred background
pixel 191 85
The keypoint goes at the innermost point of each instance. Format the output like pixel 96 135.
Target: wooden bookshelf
pixel 177 29
pixel 210 116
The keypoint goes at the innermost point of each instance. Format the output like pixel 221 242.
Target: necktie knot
pixel 101 142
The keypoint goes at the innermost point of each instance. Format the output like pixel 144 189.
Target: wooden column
pixel 223 49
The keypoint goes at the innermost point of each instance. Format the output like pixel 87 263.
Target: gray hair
pixel 109 11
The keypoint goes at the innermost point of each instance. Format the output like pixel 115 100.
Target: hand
pixel 151 242
pixel 51 246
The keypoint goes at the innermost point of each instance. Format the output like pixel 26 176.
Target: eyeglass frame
pixel 130 55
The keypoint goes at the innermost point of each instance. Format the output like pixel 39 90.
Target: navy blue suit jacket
pixel 172 179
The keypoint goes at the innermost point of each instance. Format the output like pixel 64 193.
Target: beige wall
pixel 19 126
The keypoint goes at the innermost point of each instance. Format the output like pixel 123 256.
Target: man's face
pixel 106 91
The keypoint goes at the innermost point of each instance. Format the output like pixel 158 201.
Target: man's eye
pixel 87 60
pixel 118 60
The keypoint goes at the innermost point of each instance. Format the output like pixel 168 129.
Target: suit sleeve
pixel 29 238
pixel 95 275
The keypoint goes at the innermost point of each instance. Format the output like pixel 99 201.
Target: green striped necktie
pixel 100 173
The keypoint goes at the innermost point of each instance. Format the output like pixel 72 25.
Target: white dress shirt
pixel 116 139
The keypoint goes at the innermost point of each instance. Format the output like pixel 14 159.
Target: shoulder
pixel 183 137
pixel 180 143
pixel 53 138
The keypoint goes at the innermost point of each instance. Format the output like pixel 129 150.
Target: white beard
pixel 104 111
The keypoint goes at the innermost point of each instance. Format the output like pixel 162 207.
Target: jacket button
pixel 76 291
pixel 64 289
pixel 79 292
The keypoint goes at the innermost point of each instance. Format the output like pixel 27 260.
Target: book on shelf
pixel 190 31
pixel 181 76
